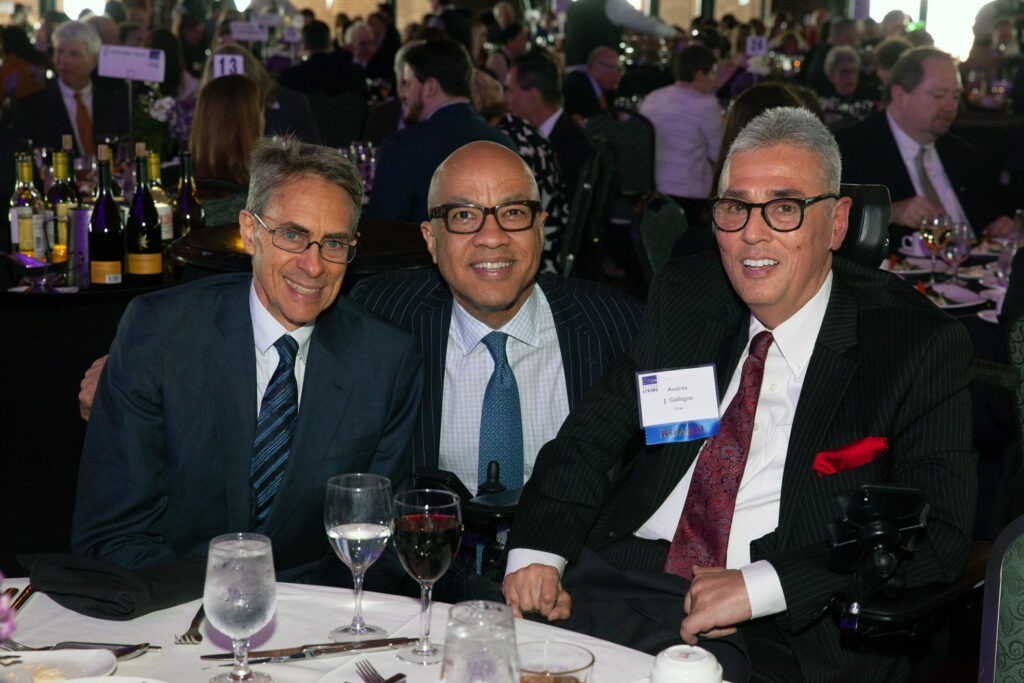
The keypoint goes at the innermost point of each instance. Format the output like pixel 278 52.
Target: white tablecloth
pixel 304 615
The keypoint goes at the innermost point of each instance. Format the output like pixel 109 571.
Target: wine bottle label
pixel 60 225
pixel 26 240
pixel 105 272
pixel 40 240
pixel 166 222
pixel 145 264
pixel 49 226
pixel 61 209
pixel 15 235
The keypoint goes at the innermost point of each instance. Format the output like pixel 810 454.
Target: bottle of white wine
pixel 160 198
pixel 106 234
pixel 142 246
pixel 59 200
pixel 28 215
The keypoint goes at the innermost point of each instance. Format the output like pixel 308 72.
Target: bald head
pixel 483 160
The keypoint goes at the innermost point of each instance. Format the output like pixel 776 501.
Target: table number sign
pixel 268 20
pixel 291 34
pixel 132 63
pixel 678 405
pixel 228 65
pixel 249 31
pixel 756 46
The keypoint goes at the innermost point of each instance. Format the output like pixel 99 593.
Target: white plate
pixel 958 296
pixel 73 663
pixel 114 679
pixel 914 266
pixel 993 282
pixel 986 248
pixel 989 316
pixel 973 272
pixel 995 295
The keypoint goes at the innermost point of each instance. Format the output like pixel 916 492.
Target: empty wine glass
pixel 428 524
pixel 934 234
pixel 240 595
pixel 357 516
pixel 957 250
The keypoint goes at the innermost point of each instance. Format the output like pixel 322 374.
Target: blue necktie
pixel 274 430
pixel 501 422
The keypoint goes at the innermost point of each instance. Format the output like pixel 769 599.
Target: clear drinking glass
pixel 357 516
pixel 934 233
pixel 428 525
pixel 957 250
pixel 240 595
pixel 552 660
pixel 480 644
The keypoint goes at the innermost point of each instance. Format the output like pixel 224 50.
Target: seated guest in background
pixel 513 44
pixel 70 103
pixel 842 69
pixel 885 56
pixel 482 303
pixel 816 355
pixel 23 68
pixel 285 111
pixel 590 91
pixel 361 43
pixel 386 36
pixel 535 95
pixel 454 22
pixel 436 87
pixel 688 130
pixel 132 35
pixel 227 123
pixel 322 71
pixel 384 118
pixel 178 82
pixel 909 149
pixel 227 402
pixel 504 16
pixel 192 33
pixel 843 32
pixel 110 34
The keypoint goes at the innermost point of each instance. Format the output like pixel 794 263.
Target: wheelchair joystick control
pixel 493 482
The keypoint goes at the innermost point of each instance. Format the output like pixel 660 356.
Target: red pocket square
pixel 860 452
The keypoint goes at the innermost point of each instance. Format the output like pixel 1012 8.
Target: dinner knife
pixel 314 651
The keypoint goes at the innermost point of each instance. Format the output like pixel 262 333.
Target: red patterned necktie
pixel 702 535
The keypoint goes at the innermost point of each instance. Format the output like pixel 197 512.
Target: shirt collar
pixel 796 336
pixel 69 94
pixel 907 145
pixel 524 326
pixel 266 329
pixel 549 125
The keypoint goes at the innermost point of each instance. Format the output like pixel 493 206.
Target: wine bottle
pixel 142 246
pixel 160 198
pixel 106 235
pixel 28 215
pixel 59 200
pixel 188 211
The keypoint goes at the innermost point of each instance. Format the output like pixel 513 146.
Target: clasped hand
pixel 716 602
pixel 537 588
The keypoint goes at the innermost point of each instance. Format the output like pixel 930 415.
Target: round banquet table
pixel 305 613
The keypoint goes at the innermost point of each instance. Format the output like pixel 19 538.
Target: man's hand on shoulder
pixel 87 389
pixel 716 602
pixel 537 588
pixel 910 212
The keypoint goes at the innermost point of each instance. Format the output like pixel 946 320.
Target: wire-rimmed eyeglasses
pixel 297 241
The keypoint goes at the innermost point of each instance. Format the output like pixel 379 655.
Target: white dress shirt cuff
pixel 764 590
pixel 524 557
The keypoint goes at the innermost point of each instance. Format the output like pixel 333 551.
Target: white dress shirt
pixel 757 500
pixel 71 105
pixel 621 13
pixel 549 125
pixel 267 330
pixel 536 360
pixel 933 166
pixel 688 130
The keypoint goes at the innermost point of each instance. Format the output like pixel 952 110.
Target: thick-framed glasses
pixel 781 215
pixel 296 241
pixel 464 219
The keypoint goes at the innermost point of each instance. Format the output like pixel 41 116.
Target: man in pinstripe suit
pixel 487 280
pixel 855 353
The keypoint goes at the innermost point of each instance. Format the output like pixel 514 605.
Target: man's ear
pixel 427 230
pixel 247 228
pixel 840 222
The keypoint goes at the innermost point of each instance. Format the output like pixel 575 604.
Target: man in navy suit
pixel 435 87
pixel 71 104
pixel 170 457
pixel 864 381
pixel 562 333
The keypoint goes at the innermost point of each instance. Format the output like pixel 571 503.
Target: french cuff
pixel 764 590
pixel 524 557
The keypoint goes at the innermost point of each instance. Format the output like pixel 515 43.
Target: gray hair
pixel 794 126
pixel 81 31
pixel 350 32
pixel 275 162
pixel 840 55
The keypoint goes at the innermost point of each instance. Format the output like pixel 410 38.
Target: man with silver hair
pixel 71 104
pixel 834 375
pixel 226 403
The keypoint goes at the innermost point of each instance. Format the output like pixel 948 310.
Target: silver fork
pixel 192 636
pixel 368 672
pixel 13 646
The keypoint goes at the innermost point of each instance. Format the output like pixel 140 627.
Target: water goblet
pixel 934 234
pixel 357 516
pixel 957 250
pixel 240 596
pixel 428 525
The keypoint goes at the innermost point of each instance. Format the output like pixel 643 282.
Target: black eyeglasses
pixel 781 215
pixel 465 219
pixel 296 241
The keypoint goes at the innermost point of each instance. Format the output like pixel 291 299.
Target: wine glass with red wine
pixel 428 525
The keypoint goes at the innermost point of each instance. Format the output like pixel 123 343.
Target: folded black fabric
pixel 98 588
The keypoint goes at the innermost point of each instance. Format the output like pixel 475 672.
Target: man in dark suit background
pixel 175 449
pixel 588 91
pixel 71 104
pixel 534 93
pixel 323 71
pixel 563 333
pixel 856 364
pixel 921 98
pixel 435 87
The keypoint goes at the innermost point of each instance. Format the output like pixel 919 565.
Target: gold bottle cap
pixel 102 153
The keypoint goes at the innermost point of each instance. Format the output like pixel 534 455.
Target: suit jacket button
pixel 610 534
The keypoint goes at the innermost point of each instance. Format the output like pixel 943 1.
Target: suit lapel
pixel 573 337
pixel 430 323
pixel 230 361
pixel 828 375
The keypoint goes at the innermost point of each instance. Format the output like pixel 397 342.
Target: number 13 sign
pixel 226 65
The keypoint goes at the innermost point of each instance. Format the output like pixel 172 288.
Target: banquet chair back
pixel 632 137
pixel 340 117
pixel 657 225
pixel 583 234
pixel 867 237
pixel 1001 656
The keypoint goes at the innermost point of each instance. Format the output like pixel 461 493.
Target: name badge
pixel 678 405
pixel 132 63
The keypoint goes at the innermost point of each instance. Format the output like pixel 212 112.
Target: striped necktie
pixel 501 421
pixel 274 430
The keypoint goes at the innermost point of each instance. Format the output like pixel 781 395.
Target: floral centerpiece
pixel 161 121
pixel 6 616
